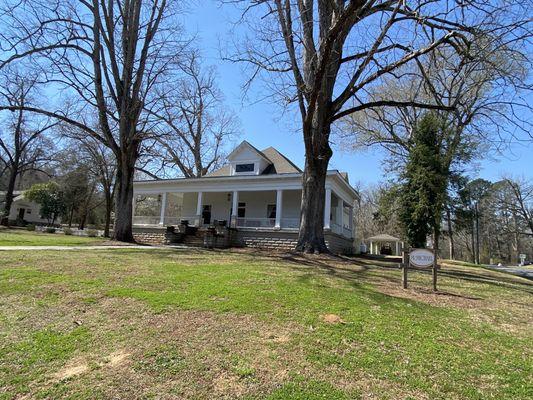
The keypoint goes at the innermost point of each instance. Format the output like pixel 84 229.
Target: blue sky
pixel 264 125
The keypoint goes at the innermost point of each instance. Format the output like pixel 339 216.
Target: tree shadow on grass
pixel 343 268
pixel 356 270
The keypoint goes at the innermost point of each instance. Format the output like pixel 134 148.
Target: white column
pixel 199 208
pixel 133 204
pixel 351 222
pixel 341 219
pixel 371 243
pixel 327 209
pixel 163 208
pixel 397 248
pixel 279 208
pixel 234 208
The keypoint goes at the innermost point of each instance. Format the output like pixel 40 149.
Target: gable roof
pixel 244 144
pixel 278 163
pixel 384 238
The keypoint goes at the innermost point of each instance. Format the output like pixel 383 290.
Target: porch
pixel 259 210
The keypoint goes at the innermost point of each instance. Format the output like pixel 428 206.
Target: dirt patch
pixel 332 319
pixel 228 385
pixel 117 358
pixel 70 371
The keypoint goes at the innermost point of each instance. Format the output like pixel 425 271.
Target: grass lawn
pixel 200 324
pixel 20 237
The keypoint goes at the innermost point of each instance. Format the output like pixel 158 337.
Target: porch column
pixel 279 210
pixel 133 204
pixel 199 208
pixel 163 208
pixel 234 208
pixel 341 219
pixel 351 222
pixel 327 209
pixel 397 248
pixel 371 247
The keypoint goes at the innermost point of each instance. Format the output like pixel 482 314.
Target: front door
pixel 21 213
pixel 206 214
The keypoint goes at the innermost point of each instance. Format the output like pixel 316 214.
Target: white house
pixel 24 210
pixel 257 194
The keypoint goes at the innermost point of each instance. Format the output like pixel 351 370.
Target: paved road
pixel 523 272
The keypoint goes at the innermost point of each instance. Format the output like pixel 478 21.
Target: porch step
pixel 196 239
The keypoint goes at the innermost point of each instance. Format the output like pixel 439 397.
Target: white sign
pixel 421 257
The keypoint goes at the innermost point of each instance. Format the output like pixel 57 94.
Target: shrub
pixel 92 232
pixel 50 230
pixel 30 227
pixel 67 231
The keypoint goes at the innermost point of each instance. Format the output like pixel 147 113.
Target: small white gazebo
pixel 376 243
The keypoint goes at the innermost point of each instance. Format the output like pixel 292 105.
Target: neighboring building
pixel 24 210
pixel 257 194
pixel 384 244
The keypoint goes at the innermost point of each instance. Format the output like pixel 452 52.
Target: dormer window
pixel 244 167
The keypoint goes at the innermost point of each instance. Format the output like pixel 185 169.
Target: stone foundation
pixel 264 239
pixel 149 235
pixel 338 244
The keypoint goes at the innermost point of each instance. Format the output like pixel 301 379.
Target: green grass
pixel 19 237
pixel 219 324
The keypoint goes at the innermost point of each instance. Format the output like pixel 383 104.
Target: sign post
pixel 421 259
pixel 434 272
pixel 405 265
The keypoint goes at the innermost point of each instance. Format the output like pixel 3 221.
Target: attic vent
pixel 244 168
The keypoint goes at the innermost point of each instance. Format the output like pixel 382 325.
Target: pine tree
pixel 424 182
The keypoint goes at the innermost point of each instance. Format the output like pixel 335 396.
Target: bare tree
pixel 482 98
pixel 520 203
pixel 330 54
pixel 193 124
pixel 22 144
pixel 106 56
pixel 103 167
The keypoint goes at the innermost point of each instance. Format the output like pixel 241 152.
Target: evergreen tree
pixel 424 182
pixel 50 197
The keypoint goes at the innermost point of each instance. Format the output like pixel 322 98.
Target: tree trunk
pixel 473 241
pixel 477 236
pixel 450 234
pixel 9 194
pixel 86 204
pixel 311 235
pixel 124 200
pixel 108 208
pixel 71 216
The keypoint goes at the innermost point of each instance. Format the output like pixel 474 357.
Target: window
pixel 241 210
pixel 244 168
pixel 271 211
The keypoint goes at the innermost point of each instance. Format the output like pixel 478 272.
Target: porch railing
pixel 155 220
pixel 256 222
pixel 335 228
pixel 145 220
pixel 347 232
pixel 290 223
